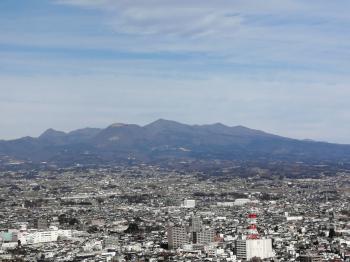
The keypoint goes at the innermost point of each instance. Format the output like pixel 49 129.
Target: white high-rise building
pixel 249 248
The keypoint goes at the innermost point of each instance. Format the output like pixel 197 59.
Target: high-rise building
pixel 177 236
pixel 193 234
pixel 249 248
pixel 204 236
pixel 196 224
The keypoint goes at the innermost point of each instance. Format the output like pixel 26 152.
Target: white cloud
pixel 189 18
pixel 293 33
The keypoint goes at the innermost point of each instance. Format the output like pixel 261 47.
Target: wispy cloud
pixel 181 18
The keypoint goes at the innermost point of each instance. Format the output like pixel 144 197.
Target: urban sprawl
pixel 147 213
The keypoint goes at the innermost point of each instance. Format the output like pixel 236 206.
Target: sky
pixel 281 66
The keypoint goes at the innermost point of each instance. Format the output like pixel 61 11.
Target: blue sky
pixel 277 65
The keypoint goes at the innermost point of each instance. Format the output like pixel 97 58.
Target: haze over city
pixel 277 66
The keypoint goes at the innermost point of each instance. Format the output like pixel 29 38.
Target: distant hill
pixel 165 140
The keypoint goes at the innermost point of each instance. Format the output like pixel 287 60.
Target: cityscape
pixel 148 213
pixel 174 131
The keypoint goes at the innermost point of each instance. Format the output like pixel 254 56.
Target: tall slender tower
pixel 253 245
pixel 252 228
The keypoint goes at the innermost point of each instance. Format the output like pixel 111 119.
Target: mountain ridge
pixel 167 140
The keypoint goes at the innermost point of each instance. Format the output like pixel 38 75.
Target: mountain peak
pixel 242 127
pixel 219 124
pixel 49 133
pixel 164 123
pixel 114 125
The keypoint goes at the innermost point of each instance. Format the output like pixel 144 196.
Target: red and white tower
pixel 252 228
pixel 252 245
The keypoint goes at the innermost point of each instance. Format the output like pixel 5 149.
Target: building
pixel 310 258
pixel 8 236
pixel 225 204
pixel 205 236
pixel 253 245
pixel 41 223
pixel 241 201
pixel 196 224
pixel 248 248
pixel 189 203
pixel 177 236
pixel 43 236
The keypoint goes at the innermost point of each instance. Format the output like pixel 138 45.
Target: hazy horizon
pixel 276 66
pixel 145 124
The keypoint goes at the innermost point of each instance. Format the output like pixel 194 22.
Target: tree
pixel 331 233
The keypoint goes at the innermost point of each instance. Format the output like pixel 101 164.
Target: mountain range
pixel 165 140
